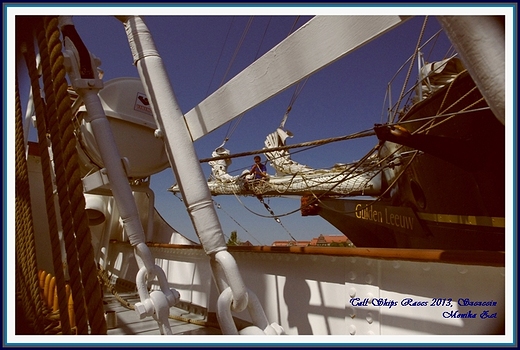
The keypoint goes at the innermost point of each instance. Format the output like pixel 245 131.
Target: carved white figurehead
pixel 281 160
pixel 219 167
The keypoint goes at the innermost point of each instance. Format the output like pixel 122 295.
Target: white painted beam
pixel 321 41
pixel 480 41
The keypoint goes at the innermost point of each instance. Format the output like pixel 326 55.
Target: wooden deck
pixel 127 321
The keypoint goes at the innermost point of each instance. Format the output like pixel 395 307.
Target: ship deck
pixel 122 320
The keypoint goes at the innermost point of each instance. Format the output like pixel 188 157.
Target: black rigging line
pixel 297 90
pixel 294 25
pixel 299 87
pixel 220 56
pixel 276 218
pixel 241 41
pixel 220 207
pixel 365 133
pixel 263 37
pixel 231 129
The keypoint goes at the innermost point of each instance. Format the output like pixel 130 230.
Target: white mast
pixel 480 42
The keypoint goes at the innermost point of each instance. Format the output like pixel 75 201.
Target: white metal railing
pixel 322 291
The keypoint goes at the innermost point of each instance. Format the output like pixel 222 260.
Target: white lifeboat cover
pixel 133 126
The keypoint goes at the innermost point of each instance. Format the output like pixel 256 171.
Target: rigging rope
pixel 401 95
pixel 380 162
pixel 272 216
pixel 30 60
pixel 297 90
pixel 58 162
pixel 220 207
pixel 231 130
pixel 27 285
pixel 348 172
pixel 276 218
pixel 263 37
pixel 294 25
pixel 219 57
pixel 57 121
pixel 299 87
pixel 303 144
pixel 361 208
pixel 83 239
pixel 241 41
pixel 423 129
pixel 295 95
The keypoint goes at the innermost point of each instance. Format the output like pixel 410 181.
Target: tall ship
pixel 431 182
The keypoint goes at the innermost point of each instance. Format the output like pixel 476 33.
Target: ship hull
pixel 450 194
pixel 382 225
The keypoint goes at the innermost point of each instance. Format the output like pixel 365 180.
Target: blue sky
pixel 344 98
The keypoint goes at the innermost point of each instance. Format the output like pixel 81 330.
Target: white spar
pixel 328 38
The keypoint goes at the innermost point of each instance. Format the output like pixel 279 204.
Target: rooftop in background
pixel 291 243
pixel 320 241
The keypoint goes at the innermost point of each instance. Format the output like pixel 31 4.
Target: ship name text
pixel 384 217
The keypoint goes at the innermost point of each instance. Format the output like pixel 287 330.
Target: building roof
pixel 321 240
pixel 290 243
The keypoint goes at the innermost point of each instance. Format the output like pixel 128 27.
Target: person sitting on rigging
pixel 258 170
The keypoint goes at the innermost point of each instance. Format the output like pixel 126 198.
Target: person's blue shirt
pixel 258 169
